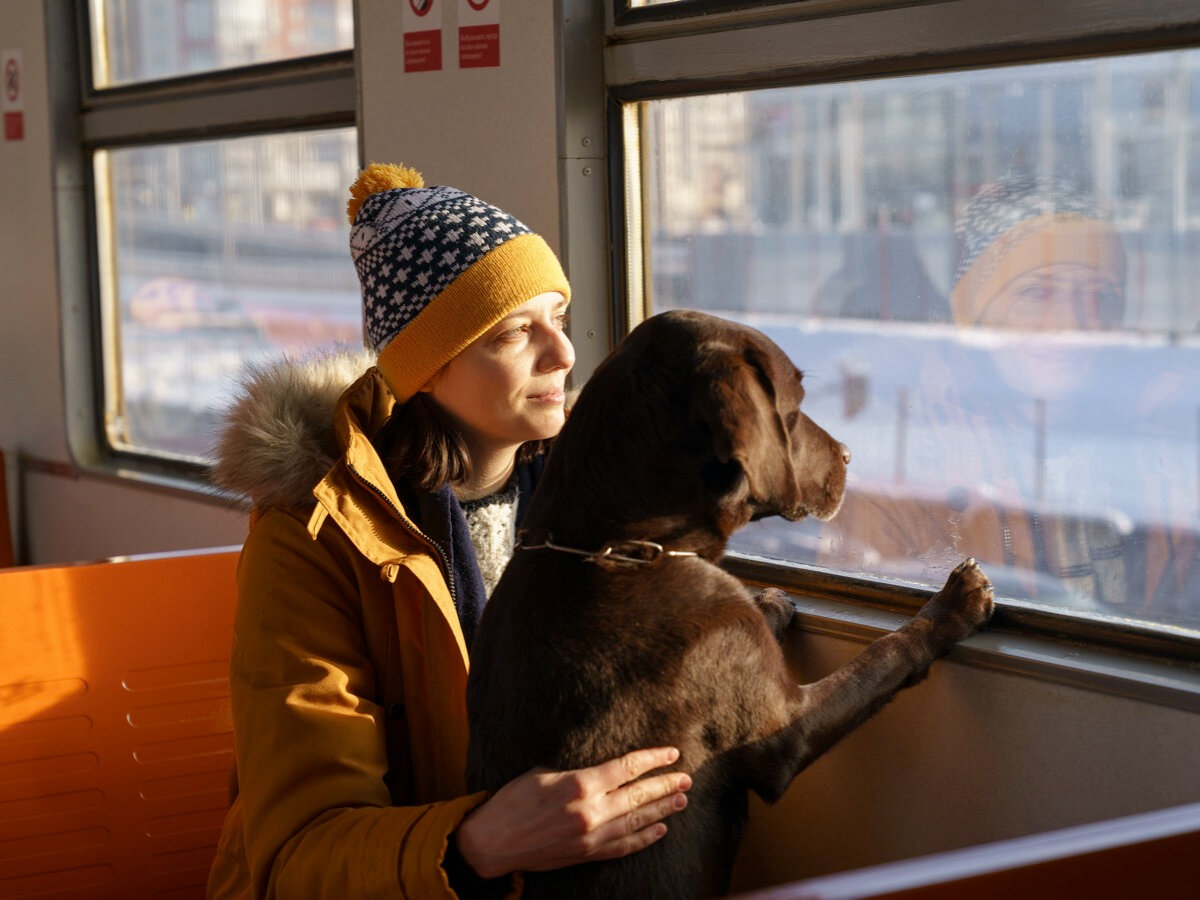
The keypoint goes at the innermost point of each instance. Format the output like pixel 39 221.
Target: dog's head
pixel 697 417
pixel 747 394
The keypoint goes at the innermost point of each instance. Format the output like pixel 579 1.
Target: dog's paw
pixel 776 607
pixel 966 600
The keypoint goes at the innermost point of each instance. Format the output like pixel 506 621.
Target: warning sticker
pixel 478 33
pixel 422 35
pixel 12 95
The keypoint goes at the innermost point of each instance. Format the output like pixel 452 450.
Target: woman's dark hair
pixel 420 445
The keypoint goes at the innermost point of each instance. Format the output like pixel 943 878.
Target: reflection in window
pixel 220 253
pixel 143 40
pixel 992 282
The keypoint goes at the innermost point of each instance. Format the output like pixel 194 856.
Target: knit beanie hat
pixel 437 268
pixel 1017 225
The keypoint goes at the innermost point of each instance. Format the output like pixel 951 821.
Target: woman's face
pixel 507 387
pixel 1061 297
pixel 1065 297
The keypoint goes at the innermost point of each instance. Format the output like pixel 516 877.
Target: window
pixel 989 280
pixel 219 255
pixel 143 40
pixel 218 206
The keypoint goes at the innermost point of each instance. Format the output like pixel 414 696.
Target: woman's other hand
pixel 547 820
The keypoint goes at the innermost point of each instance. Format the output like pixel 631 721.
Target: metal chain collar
pixel 613 552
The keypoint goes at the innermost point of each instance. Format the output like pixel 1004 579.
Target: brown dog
pixel 690 429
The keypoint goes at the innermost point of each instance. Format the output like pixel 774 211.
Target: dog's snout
pixel 845 453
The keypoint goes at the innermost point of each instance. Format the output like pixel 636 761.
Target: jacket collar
pixel 360 497
pixel 357 492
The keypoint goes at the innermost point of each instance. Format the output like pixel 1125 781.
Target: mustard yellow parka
pixel 348 672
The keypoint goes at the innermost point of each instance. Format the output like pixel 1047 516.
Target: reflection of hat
pixel 437 268
pixel 1017 225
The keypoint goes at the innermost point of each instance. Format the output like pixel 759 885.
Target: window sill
pixel 1140 665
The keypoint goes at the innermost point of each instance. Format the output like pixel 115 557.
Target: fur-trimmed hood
pixel 278 441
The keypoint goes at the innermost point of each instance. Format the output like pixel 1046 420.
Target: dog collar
pixel 631 552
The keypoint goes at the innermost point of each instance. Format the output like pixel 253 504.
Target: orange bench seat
pixel 116 741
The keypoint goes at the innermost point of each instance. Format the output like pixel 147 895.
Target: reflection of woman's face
pixel 1060 297
pixel 1056 298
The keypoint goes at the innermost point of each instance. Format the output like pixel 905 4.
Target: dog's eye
pixel 792 418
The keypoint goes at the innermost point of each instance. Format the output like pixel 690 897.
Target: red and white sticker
pixel 478 34
pixel 12 94
pixel 422 35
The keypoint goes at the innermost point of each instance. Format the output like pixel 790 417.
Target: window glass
pixel 142 40
pixel 217 254
pixel 991 280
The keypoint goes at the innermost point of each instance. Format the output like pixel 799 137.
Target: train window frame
pixel 698 47
pixel 90 10
pixel 647 12
pixel 287 96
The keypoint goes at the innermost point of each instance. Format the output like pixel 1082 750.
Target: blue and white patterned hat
pixel 437 267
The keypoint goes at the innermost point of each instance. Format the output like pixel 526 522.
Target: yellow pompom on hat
pixel 438 268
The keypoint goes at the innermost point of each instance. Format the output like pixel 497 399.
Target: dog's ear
pixel 735 399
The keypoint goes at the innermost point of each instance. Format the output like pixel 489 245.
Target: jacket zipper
pixel 412 529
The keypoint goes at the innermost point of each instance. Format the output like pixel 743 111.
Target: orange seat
pixel 115 734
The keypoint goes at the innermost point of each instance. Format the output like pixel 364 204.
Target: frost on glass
pixel 222 253
pixel 991 281
pixel 144 40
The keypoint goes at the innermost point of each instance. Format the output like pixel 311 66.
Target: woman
pixel 356 611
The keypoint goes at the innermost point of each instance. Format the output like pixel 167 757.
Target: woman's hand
pixel 546 820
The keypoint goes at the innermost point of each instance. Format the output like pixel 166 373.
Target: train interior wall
pixel 61 513
pixel 987 748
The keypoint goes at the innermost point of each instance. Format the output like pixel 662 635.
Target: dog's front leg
pixel 777 608
pixel 830 708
